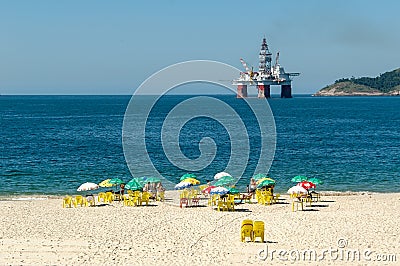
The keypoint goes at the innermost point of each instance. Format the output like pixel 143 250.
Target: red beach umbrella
pixel 306 184
pixel 208 189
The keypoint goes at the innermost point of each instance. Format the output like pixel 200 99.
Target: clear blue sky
pixel 110 47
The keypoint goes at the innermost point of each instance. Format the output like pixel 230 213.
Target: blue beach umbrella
pixel 183 185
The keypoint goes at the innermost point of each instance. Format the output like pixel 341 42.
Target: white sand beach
pixel 41 232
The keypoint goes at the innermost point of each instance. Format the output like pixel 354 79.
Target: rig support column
pixel 264 91
pixel 241 91
pixel 286 91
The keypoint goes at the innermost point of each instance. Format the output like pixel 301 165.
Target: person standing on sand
pixel 253 185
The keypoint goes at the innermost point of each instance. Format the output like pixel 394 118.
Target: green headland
pixel 386 84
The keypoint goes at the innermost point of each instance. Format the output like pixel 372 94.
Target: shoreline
pixel 27 197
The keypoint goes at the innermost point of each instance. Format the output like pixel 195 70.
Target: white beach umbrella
pixel 219 190
pixel 297 190
pixel 87 186
pixel 183 185
pixel 221 174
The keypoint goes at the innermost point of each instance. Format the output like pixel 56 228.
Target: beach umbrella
pixel 208 189
pixel 299 178
pixel 306 184
pixel 221 174
pixel 134 185
pixel 192 181
pixel 115 181
pixel 233 190
pixel 297 190
pixel 140 180
pixel 153 180
pixel 188 175
pixel 264 179
pixel 265 183
pixel 260 176
pixel 316 181
pixel 87 186
pixel 224 181
pixel 219 190
pixel 182 185
pixel 106 183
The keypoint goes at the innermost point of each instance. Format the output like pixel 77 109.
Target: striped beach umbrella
pixel 188 175
pixel 221 174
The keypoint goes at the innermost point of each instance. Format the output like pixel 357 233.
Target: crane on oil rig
pixel 276 70
pixel 246 67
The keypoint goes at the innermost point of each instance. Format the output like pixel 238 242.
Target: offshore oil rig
pixel 266 76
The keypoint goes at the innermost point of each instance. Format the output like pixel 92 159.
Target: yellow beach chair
pixel 161 196
pixel 246 231
pixel 109 197
pixel 258 231
pixel 145 198
pixel 80 200
pixel 102 197
pixel 67 202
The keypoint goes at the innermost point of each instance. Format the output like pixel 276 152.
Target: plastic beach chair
pixel 67 202
pixel 145 198
pixel 101 197
pixel 258 231
pixel 246 231
pixel 80 200
pixel 109 197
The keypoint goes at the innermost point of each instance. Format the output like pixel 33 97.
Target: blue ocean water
pixel 52 144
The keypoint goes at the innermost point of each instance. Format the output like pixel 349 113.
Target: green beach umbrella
pixel 133 185
pixel 299 178
pixel 316 181
pixel 223 181
pixel 259 176
pixel 153 180
pixel 115 181
pixel 266 182
pixel 140 180
pixel 188 175
pixel 233 190
pixel 265 178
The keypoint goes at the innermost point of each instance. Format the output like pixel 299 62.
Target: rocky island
pixel 386 84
